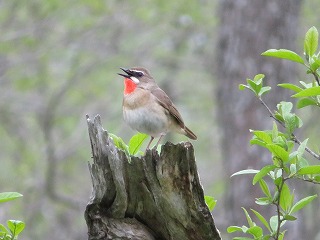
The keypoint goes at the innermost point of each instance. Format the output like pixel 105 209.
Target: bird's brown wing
pixel 165 102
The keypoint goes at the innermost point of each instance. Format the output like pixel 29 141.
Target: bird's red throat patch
pixel 129 86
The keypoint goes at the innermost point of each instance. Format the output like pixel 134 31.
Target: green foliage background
pixel 58 62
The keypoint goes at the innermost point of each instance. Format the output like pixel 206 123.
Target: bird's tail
pixel 189 133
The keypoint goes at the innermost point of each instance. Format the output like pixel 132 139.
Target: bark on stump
pixel 151 197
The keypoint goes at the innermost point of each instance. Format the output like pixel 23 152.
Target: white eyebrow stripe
pixel 137 71
pixel 135 80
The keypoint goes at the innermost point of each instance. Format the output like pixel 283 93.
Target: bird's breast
pixel 141 111
pixel 138 98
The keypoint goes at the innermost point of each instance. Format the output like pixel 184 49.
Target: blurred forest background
pixel 58 62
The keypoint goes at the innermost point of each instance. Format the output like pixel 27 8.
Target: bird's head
pixel 136 76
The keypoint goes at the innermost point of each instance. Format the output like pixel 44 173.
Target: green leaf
pixel 263 90
pixel 274 223
pixel 278 180
pixel 263 172
pixel 8 196
pixel 135 142
pixel 247 171
pixel 285 107
pixel 292 122
pixel 278 116
pixel 306 85
pixel 281 140
pixel 314 169
pixel 317 178
pixel 118 142
pixel 15 227
pixel 258 78
pixel 263 201
pixel 312 91
pixel 314 63
pixel 254 86
pixel 285 198
pixel 256 141
pixel 302 203
pixel 244 228
pixel 275 131
pixel 302 162
pixel 262 135
pixel 266 237
pixel 279 152
pixel 290 145
pixel 262 219
pixel 304 102
pixel 302 147
pixel 298 122
pixel 281 236
pixel 276 161
pixel 242 87
pixel 3 229
pixel 211 203
pixel 293 169
pixel 250 222
pixel 289 218
pixel 311 41
pixel 290 86
pixel 265 189
pixel 255 231
pixel 284 54
pixel 232 229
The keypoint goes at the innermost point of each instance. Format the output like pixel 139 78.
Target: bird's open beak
pixel 127 71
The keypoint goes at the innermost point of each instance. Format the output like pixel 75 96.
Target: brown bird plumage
pixel 147 108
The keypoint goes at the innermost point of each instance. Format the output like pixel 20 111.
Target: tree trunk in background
pixel 151 197
pixel 248 28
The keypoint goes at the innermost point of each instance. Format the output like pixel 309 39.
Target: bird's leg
pixel 155 147
pixel 149 143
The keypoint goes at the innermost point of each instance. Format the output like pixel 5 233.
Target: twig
pixel 316 77
pixel 278 216
pixel 278 209
pixel 309 180
pixel 293 137
pixel 314 73
pixel 271 113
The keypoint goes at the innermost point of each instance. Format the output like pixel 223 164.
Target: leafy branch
pixel 14 227
pixel 287 151
pixel 293 136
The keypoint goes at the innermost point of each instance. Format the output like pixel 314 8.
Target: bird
pixel 147 108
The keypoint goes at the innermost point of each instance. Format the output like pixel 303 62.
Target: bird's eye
pixel 137 74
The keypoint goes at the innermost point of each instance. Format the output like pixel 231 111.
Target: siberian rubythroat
pixel 147 108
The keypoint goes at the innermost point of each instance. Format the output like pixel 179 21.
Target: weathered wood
pixel 151 197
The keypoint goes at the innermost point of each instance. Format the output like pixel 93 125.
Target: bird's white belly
pixel 153 122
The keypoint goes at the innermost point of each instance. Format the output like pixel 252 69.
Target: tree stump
pixel 150 197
